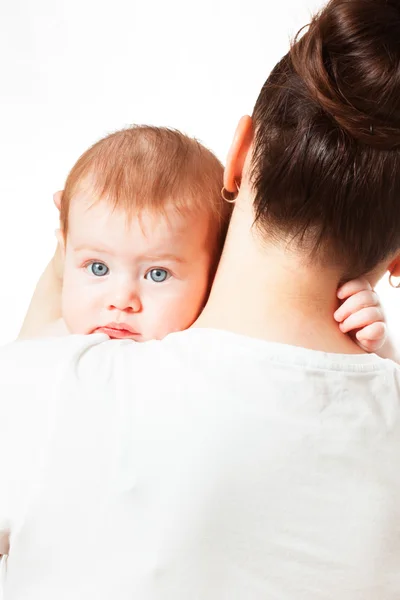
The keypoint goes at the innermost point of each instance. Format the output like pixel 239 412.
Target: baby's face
pixel 138 279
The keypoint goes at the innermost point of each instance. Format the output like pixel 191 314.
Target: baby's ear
pixel 57 197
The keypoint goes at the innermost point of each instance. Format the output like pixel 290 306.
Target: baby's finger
pixel 369 346
pixel 362 318
pixel 355 303
pixel 372 337
pixel 353 287
pixel 376 332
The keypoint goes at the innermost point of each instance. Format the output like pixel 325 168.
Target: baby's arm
pixel 44 313
pixel 362 316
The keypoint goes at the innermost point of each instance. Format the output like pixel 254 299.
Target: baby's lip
pixel 117 330
pixel 121 326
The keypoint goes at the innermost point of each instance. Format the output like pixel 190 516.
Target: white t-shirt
pixel 207 466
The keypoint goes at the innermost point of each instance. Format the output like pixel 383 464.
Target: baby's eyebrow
pixel 86 247
pixel 162 256
pixel 153 257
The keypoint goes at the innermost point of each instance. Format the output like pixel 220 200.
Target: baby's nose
pixel 125 300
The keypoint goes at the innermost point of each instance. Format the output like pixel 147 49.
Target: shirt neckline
pixel 238 344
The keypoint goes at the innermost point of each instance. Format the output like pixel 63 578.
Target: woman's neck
pixel 266 291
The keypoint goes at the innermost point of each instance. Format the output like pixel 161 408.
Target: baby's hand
pixel 361 314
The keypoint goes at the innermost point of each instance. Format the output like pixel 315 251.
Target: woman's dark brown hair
pixel 326 159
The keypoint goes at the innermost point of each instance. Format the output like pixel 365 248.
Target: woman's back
pixel 208 465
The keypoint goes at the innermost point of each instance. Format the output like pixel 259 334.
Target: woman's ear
pixel 394 267
pixel 57 198
pixel 237 154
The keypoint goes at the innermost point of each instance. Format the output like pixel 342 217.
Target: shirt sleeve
pixel 29 372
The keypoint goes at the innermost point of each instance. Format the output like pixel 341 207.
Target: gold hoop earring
pixel 230 197
pixel 396 287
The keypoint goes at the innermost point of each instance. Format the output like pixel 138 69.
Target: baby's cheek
pixel 71 309
pixel 182 313
pixel 75 305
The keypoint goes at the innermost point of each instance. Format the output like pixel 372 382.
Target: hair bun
pixel 349 62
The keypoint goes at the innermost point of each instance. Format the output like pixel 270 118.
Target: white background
pixel 73 70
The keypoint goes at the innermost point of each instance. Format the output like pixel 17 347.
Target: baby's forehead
pixel 95 221
pixel 86 209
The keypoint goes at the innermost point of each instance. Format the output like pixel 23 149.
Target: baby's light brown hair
pixel 145 168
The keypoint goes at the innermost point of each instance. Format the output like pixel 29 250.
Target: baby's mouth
pixel 118 331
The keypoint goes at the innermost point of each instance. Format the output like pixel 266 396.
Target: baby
pixel 142 225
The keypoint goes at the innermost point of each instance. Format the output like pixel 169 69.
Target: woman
pixel 255 455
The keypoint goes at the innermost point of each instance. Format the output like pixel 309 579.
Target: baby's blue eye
pixel 157 275
pixel 98 268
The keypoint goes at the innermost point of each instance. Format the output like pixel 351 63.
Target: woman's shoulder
pixel 29 368
pixel 28 353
